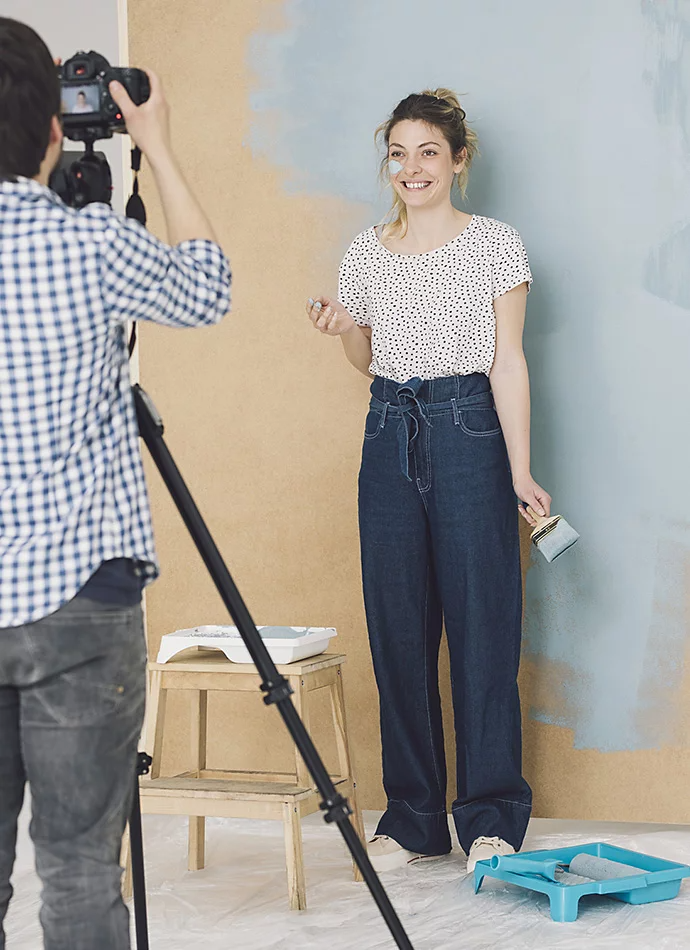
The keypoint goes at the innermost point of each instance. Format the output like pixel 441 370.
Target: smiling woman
pixel 432 306
pixel 415 165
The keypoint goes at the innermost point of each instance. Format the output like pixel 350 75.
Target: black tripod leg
pixel 275 686
pixel 136 849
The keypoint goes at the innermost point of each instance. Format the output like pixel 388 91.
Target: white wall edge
pixel 127 178
pixel 125 142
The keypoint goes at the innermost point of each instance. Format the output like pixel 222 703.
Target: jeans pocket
pixel 479 422
pixel 372 426
pixel 91 695
pixel 102 674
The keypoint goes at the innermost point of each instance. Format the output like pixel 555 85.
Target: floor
pixel 239 900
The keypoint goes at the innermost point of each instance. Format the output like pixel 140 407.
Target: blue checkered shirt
pixel 72 489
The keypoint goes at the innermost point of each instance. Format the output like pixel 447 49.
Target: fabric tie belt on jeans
pixel 413 411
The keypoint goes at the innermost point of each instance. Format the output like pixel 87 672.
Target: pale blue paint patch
pixel 584 150
pixel 668 275
pixel 668 269
pixel 669 70
pixel 539 715
pixel 394 167
pixel 590 618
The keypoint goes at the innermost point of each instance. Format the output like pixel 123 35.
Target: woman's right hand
pixel 329 316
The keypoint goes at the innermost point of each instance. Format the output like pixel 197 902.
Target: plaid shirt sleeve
pixel 145 279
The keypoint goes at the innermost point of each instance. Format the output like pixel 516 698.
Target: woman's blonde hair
pixel 440 108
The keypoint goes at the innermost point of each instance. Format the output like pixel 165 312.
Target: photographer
pixel 76 544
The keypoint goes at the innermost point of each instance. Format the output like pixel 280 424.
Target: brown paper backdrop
pixel 264 417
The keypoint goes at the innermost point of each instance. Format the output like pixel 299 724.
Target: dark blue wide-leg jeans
pixel 439 537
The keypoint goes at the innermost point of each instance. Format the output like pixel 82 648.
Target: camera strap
pixel 135 206
pixel 135 209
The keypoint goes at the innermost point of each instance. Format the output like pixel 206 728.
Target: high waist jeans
pixel 72 691
pixel 439 537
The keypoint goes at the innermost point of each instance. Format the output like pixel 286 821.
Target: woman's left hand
pixel 529 493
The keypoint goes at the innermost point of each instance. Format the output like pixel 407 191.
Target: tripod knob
pixel 144 761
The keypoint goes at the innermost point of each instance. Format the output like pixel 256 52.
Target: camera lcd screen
pixel 80 100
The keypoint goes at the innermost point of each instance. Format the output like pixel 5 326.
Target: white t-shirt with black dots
pixel 431 315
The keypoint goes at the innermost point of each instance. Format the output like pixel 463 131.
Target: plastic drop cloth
pixel 239 901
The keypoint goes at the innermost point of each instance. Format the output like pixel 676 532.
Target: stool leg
pixel 344 759
pixel 294 857
pixel 155 720
pixel 358 824
pixel 196 852
pixel 126 863
pixel 199 729
pixel 300 698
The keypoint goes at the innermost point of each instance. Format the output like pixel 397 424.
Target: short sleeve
pixel 352 281
pixel 510 266
pixel 145 279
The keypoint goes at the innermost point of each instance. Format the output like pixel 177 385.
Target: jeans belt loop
pixel 384 413
pixel 456 413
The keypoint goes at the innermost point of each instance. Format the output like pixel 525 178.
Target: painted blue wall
pixel 583 115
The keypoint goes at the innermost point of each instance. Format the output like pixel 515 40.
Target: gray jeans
pixel 72 694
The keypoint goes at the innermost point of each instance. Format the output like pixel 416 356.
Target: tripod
pixel 275 686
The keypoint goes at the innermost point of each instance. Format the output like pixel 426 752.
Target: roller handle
pixel 517 865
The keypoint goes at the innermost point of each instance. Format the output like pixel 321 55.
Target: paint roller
pixel 552 536
pixel 583 868
pixel 601 869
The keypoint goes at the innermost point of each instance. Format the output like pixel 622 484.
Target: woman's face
pixel 428 167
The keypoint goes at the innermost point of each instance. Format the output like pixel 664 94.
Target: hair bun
pixel 448 97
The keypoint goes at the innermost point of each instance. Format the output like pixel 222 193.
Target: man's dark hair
pixel 29 98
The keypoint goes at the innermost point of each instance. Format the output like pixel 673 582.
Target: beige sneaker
pixel 483 849
pixel 386 854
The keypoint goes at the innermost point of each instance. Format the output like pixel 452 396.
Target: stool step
pixel 180 787
pixel 209 661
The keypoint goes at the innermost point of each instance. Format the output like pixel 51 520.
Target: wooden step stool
pixel 202 792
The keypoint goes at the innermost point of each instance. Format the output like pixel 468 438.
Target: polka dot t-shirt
pixel 431 315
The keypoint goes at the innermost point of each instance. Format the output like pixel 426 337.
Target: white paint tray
pixel 284 644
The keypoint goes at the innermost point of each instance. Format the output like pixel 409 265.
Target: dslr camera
pixel 88 110
pixel 89 113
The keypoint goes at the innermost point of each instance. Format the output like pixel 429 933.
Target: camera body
pixel 88 110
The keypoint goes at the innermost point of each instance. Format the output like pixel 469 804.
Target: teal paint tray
pixel 659 881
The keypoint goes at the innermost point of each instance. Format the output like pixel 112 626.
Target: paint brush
pixel 553 535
